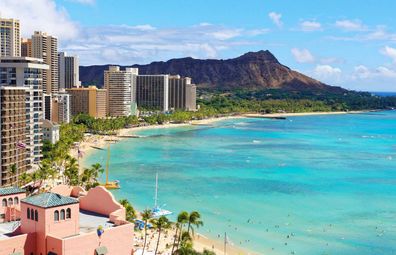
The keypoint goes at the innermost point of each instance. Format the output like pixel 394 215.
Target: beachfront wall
pixel 117 240
pixel 25 244
pixel 68 191
pixel 45 224
pixel 107 205
pixel 10 206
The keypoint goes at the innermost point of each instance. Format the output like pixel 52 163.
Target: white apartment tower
pixel 27 73
pixel 68 71
pixel 120 86
pixel 46 47
pixel 10 38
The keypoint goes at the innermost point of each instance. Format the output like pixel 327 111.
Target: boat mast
pixel 107 163
pixel 156 190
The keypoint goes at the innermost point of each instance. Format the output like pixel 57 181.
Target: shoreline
pixel 201 242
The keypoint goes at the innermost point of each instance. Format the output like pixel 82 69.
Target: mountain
pixel 253 70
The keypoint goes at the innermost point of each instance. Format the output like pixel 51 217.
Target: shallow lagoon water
pixel 308 185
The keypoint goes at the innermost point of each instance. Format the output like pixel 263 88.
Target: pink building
pixel 10 208
pixel 68 221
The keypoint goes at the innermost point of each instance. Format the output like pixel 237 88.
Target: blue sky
pixel 341 42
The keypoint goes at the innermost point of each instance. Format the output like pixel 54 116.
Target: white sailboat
pixel 157 210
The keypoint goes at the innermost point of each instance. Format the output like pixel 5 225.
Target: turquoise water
pixel 308 185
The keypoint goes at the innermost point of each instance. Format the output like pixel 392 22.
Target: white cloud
pixel 276 18
pixel 42 15
pixel 389 52
pixel 362 72
pixel 126 44
pixel 309 26
pixel 327 72
pixel 350 25
pixel 302 55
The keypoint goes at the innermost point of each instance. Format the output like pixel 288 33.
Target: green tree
pixel 147 214
pixel 71 171
pixel 162 223
pixel 182 219
pixel 194 219
pixel 129 210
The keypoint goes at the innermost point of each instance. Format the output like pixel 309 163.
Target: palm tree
pixel 147 214
pixel 194 220
pixel 161 223
pixel 71 171
pixel 182 219
pixel 24 178
pixel 129 210
pixel 13 170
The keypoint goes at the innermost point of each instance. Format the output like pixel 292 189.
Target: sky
pixel 348 43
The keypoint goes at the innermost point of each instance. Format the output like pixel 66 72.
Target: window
pixel 16 200
pixel 28 213
pixel 31 214
pixel 56 215
pixel 10 201
pixel 68 213
pixel 35 215
pixel 62 214
pixel 4 202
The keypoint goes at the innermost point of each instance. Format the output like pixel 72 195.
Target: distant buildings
pixel 10 38
pixel 152 92
pixel 26 47
pixel 65 221
pixel 50 131
pixel 46 47
pixel 91 100
pixel 23 72
pixel 68 71
pixel 61 107
pixel 182 94
pixel 120 86
pixel 13 133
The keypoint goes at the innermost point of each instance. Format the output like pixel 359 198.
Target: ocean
pixel 305 185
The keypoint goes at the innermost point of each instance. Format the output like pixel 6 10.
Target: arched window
pixel 4 202
pixel 35 215
pixel 16 200
pixel 68 213
pixel 56 215
pixel 10 201
pixel 28 213
pixel 31 214
pixel 62 214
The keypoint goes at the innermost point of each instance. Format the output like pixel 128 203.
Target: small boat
pixel 157 210
pixel 109 184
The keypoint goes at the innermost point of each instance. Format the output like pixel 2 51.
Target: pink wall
pixel 24 243
pixel 101 201
pixel 68 191
pixel 118 241
pixel 4 210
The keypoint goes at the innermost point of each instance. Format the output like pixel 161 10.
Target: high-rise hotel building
pixel 61 107
pixel 10 38
pixel 13 133
pixel 152 92
pixel 27 73
pixel 182 93
pixel 68 71
pixel 120 86
pixel 46 47
pixel 91 100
